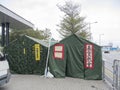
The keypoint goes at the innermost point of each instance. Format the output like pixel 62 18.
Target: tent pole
pixel 46 67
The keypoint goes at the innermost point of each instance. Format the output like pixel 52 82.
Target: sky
pixel 45 14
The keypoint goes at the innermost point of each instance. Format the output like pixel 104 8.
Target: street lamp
pixel 100 39
pixel 90 28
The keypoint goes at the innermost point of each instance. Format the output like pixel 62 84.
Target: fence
pixel 116 75
pixel 111 73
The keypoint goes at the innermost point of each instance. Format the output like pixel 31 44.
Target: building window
pixel 89 56
pixel 59 51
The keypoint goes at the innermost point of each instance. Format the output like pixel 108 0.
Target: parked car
pixel 4 70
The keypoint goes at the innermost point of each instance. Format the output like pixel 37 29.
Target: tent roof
pixel 79 38
pixel 16 21
pixel 38 41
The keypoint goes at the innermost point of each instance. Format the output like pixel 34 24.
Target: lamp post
pixel 100 35
pixel 90 28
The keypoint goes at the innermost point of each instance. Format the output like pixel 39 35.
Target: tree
pixel 39 34
pixel 47 33
pixel 72 22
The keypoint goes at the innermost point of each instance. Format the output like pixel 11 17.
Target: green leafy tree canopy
pixel 39 34
pixel 72 22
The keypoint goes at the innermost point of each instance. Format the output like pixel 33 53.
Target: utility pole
pixel 90 28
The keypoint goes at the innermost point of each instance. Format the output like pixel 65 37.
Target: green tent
pixel 27 55
pixel 76 57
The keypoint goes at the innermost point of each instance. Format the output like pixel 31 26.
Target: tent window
pixel 59 51
pixel 89 56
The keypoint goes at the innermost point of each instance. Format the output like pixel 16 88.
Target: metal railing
pixel 116 75
pixel 108 73
pixel 111 73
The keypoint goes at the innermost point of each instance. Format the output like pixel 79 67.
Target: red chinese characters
pixel 89 56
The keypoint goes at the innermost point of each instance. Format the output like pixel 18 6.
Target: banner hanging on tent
pixel 89 56
pixel 59 51
pixel 37 52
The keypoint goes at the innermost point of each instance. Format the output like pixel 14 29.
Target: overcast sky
pixel 45 14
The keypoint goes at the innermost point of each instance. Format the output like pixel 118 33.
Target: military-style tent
pixel 27 55
pixel 76 57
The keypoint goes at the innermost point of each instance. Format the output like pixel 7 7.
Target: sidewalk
pixel 35 82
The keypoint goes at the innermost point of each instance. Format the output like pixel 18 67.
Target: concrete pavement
pixel 36 82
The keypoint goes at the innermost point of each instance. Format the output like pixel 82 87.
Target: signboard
pixel 59 51
pixel 37 52
pixel 89 56
pixel 24 50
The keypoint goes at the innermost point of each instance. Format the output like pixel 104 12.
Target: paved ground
pixel 35 82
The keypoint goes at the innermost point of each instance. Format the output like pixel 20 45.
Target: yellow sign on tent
pixel 37 52
pixel 24 50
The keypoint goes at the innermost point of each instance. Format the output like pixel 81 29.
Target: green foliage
pixel 72 22
pixel 39 34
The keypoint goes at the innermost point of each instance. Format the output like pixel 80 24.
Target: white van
pixel 4 70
